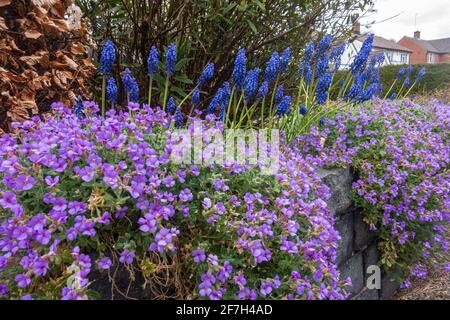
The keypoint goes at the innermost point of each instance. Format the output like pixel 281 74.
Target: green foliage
pixel 389 142
pixel 436 77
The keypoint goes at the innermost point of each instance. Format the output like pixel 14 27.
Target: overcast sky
pixel 433 18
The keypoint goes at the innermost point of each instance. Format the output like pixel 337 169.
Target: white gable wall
pixel 392 57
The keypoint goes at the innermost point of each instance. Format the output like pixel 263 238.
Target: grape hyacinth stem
pixel 229 102
pixel 262 111
pixel 237 107
pixel 410 88
pixel 166 91
pixel 150 91
pixel 103 95
pixel 187 97
pixel 272 109
pixel 390 89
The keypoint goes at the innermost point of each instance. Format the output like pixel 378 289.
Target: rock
pixel 353 268
pixel 125 287
pixel 363 235
pixel 367 294
pixel 339 180
pixel 345 246
pixel 389 286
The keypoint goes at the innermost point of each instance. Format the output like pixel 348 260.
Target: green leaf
pixel 184 79
pixel 180 91
pixel 252 26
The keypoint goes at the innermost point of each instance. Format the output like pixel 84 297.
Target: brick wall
pixel 444 58
pixel 418 55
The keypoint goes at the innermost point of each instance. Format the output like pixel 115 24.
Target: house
pixel 427 51
pixel 395 54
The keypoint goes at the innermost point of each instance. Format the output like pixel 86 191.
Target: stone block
pixel 367 294
pixel 363 235
pixel 345 246
pixel 389 286
pixel 339 180
pixel 353 268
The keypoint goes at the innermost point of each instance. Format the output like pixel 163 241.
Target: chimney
pixel 356 28
pixel 417 34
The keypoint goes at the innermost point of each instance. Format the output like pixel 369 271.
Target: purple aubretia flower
pixel 23 280
pixel 127 257
pixel 104 263
pixel 199 255
pixel 51 182
pixel 25 182
pixel 40 267
pixel 148 223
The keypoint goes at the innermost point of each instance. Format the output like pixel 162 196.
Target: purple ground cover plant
pixel 401 152
pixel 80 194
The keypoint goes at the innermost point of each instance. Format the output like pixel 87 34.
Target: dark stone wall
pixel 358 245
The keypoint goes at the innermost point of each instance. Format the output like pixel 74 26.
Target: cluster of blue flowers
pixel 152 61
pixel 220 100
pixel 206 75
pixel 251 84
pixel 111 90
pixel 107 58
pixel 78 108
pixel 272 67
pixel 317 70
pixel 283 107
pixel 131 86
pixel 171 106
pixel 171 59
pixel 239 71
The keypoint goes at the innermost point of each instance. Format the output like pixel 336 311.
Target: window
pixel 404 58
pixel 430 57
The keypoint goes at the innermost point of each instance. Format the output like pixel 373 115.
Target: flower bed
pixel 401 153
pixel 73 187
